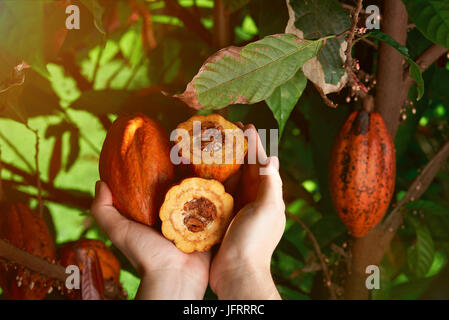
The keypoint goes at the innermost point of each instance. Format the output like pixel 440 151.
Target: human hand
pixel 166 272
pixel 241 268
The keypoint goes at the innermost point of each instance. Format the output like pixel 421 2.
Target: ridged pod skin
pixel 362 172
pixel 135 163
pixel 26 230
pixel 196 214
pixel 110 266
pixel 221 169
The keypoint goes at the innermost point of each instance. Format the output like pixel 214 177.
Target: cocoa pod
pixel 135 163
pixel 196 214
pixel 72 253
pixel 222 160
pixel 26 230
pixel 362 171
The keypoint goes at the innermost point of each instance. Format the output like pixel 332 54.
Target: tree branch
pixel 55 195
pixel 357 88
pixel 45 268
pixel 222 25
pixel 417 188
pixel 351 35
pixel 189 20
pixel 424 61
pixel 32 262
pixel 38 172
pixel 390 64
pixel 320 256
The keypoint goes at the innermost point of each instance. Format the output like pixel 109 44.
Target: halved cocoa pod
pixel 26 230
pixel 196 214
pixel 215 149
pixel 135 163
pixel 72 253
pixel 362 171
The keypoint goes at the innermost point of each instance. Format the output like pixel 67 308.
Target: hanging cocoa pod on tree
pixel 362 171
pixel 213 147
pixel 196 214
pixel 75 252
pixel 25 229
pixel 135 163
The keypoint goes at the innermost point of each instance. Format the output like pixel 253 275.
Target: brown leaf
pixel 313 69
pixel 190 96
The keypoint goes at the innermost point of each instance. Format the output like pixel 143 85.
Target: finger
pixel 256 151
pixel 270 187
pixel 239 124
pixel 107 216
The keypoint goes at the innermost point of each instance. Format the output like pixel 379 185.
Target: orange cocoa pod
pixel 71 254
pixel 135 163
pixel 206 151
pixel 196 214
pixel 362 171
pixel 25 229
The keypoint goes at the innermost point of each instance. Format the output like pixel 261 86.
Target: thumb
pixel 107 216
pixel 270 187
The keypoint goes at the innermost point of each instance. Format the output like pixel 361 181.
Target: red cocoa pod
pixel 135 163
pixel 26 230
pixel 362 171
pixel 71 253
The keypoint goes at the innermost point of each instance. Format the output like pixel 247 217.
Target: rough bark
pixel 391 64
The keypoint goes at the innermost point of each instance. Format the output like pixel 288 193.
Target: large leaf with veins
pixel 248 74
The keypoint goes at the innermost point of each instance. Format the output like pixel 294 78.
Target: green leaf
pixel 97 11
pixel 431 17
pixel 426 206
pixel 420 255
pixel 315 19
pixel 410 290
pixel 438 86
pixel 22 31
pixel 234 5
pixel 248 74
pixel 415 72
pixel 285 97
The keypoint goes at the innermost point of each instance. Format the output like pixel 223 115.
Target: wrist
pixel 170 285
pixel 246 282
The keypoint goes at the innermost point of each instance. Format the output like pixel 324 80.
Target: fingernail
pixel 97 187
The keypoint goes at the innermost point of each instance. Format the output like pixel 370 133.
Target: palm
pixel 161 253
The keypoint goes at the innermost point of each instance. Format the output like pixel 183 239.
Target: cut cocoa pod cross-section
pixel 214 147
pixel 135 163
pixel 362 171
pixel 196 214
